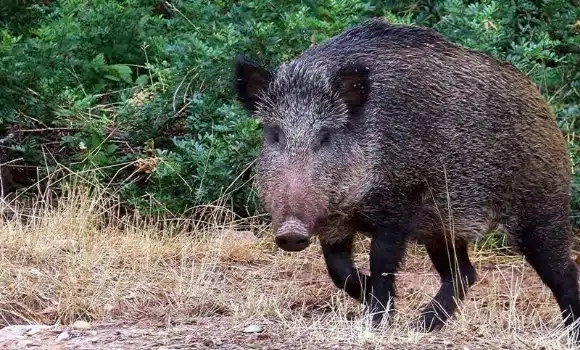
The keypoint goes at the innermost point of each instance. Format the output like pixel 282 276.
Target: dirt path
pixel 223 333
pixel 473 329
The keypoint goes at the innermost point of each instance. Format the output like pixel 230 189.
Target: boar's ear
pixel 249 80
pixel 353 85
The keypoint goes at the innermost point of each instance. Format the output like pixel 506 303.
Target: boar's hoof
pixel 383 317
pixel 426 322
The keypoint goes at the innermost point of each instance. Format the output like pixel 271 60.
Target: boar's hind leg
pixel 344 274
pixel 546 245
pixel 451 260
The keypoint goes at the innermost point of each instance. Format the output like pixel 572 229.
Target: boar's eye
pixel 323 139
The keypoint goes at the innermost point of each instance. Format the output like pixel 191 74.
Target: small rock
pixel 81 325
pixel 253 329
pixel 368 335
pixel 63 336
pixel 109 308
pixel 36 272
pixel 212 343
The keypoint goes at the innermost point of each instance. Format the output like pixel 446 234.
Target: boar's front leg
pixel 387 251
pixel 340 266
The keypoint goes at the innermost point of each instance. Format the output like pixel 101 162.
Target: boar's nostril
pixel 302 242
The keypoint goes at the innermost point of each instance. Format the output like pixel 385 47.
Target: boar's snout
pixel 292 236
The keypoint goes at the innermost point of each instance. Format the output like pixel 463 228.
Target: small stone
pixel 63 336
pixel 253 329
pixel 109 308
pixel 368 335
pixel 81 325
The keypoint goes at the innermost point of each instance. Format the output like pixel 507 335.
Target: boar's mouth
pixel 293 235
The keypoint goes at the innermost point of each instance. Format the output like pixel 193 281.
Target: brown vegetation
pixel 65 264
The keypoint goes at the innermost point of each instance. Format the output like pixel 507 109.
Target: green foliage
pixel 114 82
pixel 541 38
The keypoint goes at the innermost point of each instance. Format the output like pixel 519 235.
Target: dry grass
pixel 66 264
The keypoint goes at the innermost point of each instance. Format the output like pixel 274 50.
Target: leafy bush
pixel 541 38
pixel 139 91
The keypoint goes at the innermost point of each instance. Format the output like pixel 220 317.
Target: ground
pixel 200 284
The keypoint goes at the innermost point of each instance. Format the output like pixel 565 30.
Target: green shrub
pixel 541 38
pixel 103 84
